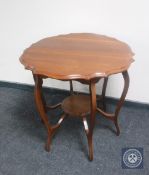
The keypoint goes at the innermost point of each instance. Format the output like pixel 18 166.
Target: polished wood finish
pixel 86 58
pixel 77 56
pixel 92 88
pixel 71 87
pixel 104 93
pixel 41 109
pixel 114 116
pixel 77 105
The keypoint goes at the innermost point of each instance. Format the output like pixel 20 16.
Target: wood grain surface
pixel 77 56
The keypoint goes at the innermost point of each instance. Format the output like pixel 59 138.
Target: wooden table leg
pixel 71 87
pixel 42 111
pixel 114 117
pixel 43 99
pixel 104 93
pixel 92 117
pixel 122 99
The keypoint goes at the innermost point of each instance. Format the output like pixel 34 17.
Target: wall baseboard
pixel 28 87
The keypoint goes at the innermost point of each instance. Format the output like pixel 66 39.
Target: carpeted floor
pixel 22 138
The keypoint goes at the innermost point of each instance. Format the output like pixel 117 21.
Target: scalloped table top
pixel 77 56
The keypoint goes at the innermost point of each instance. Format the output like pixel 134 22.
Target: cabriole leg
pixel 42 111
pixel 104 93
pixel 122 99
pixel 114 116
pixel 92 118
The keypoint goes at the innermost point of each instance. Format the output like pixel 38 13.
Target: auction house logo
pixel 132 158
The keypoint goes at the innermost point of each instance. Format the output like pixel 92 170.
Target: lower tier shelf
pixel 76 105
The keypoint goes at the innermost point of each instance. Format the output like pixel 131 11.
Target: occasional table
pixel 83 57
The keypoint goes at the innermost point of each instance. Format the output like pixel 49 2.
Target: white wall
pixel 23 22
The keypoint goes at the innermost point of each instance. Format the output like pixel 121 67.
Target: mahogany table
pixel 82 57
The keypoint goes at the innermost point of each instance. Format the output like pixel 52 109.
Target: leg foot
pixel 117 127
pixel 90 147
pixel 48 143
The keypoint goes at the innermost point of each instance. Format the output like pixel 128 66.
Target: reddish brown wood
pixel 76 105
pixel 77 56
pixel 92 117
pixel 41 109
pixel 104 93
pixel 84 57
pixel 71 87
pixel 114 117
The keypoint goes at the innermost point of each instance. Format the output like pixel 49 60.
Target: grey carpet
pixel 22 138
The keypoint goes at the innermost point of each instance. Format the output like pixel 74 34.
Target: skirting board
pixel 28 87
